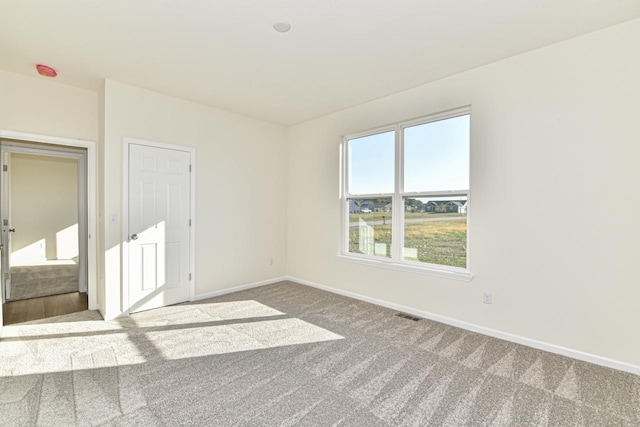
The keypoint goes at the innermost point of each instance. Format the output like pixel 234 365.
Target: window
pixel 406 195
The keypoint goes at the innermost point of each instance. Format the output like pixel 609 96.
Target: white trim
pixel 82 223
pixel 371 132
pixel 124 220
pixel 126 142
pixel 192 236
pixel 469 198
pixel 540 345
pixel 369 196
pixel 397 208
pixel 92 288
pixel 5 284
pixel 238 288
pixel 454 273
pixel 45 139
pixel 23 148
pixel 436 117
pixel 343 243
pixel 448 193
pixel 344 218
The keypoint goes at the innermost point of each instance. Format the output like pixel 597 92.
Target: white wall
pixel 555 197
pixel 42 106
pixel 240 186
pixel 44 208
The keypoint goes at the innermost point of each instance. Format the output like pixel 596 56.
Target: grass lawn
pixel 377 216
pixel 437 242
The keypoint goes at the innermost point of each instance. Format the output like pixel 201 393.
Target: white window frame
pixel 397 261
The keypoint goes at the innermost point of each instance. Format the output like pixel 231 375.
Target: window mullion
pixel 397 234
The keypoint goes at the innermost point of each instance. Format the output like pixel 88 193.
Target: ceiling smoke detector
pixel 282 27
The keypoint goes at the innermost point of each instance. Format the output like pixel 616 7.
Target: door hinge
pixel 189 223
pixel 189 276
pixel 189 168
pixel 5 168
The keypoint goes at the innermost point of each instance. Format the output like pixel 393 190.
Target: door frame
pixel 126 142
pixel 21 147
pixel 92 248
pixel 5 241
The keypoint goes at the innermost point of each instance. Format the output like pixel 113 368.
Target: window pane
pixel 435 230
pixel 371 163
pixel 436 155
pixel 370 226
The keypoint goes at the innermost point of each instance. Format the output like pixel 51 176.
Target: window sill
pixel 457 274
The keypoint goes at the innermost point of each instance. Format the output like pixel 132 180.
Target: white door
pixel 159 221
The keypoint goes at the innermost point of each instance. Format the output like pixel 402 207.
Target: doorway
pixel 47 262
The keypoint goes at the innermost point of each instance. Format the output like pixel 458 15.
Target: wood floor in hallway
pixel 43 307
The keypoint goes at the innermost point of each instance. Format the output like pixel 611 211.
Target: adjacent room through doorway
pixel 44 216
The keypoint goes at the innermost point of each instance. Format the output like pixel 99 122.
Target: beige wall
pixel 240 186
pixel 39 105
pixel 44 207
pixel 555 197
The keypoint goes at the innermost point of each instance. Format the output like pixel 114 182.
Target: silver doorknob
pixel 134 237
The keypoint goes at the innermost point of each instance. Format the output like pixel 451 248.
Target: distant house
pixel 367 206
pixel 456 207
pixel 380 206
pixel 445 206
pixel 431 206
pixel 364 207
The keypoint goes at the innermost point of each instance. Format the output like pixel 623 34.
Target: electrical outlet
pixel 486 297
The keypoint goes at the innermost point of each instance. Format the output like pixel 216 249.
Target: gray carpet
pixel 32 281
pixel 287 355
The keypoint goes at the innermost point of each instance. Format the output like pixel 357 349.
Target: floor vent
pixel 408 316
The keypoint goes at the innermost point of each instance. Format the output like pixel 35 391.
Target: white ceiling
pixel 339 53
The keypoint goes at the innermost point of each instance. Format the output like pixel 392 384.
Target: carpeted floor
pixel 286 355
pixel 53 277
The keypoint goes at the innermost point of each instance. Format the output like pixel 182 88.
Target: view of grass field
pixel 377 216
pixel 434 240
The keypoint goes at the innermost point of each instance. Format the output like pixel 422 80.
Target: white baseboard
pixel 540 345
pixel 237 288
